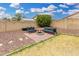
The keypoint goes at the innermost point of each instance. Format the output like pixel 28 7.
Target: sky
pixel 29 10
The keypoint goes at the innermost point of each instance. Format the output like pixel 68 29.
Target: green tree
pixel 43 20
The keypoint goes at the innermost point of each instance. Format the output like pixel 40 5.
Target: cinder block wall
pixel 15 25
pixel 67 26
pixel 2 26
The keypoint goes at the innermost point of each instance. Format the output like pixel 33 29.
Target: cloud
pixel 2 12
pixel 43 9
pixel 77 6
pixel 48 13
pixel 73 11
pixel 70 12
pixel 6 15
pixel 59 10
pixel 27 12
pixel 36 10
pixel 54 11
pixel 64 12
pixel 70 3
pixel 22 8
pixel 51 8
pixel 15 5
pixel 19 11
pixel 63 6
pixel 2 9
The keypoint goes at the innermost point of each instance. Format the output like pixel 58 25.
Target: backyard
pixel 58 45
pixel 47 30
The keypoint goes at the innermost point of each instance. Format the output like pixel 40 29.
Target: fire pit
pixel 40 32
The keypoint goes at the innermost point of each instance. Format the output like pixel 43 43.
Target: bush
pixel 43 20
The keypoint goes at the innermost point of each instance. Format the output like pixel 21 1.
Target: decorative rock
pixel 21 39
pixel 26 38
pixel 10 42
pixel 1 44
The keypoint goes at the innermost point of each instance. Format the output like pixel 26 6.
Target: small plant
pixel 43 20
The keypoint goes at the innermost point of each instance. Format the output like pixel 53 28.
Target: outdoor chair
pixel 50 30
pixel 55 31
pixel 31 29
pixel 24 29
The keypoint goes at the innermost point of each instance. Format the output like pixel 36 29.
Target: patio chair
pixel 24 29
pixel 31 29
pixel 50 30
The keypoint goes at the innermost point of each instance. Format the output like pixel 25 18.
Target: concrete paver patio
pixel 10 41
pixel 36 37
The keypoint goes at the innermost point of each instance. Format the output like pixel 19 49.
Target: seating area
pixel 49 30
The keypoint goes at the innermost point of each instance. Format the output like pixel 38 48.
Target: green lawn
pixel 58 45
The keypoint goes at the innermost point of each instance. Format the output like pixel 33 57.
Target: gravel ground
pixel 12 40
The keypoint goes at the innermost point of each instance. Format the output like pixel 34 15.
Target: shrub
pixel 43 20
